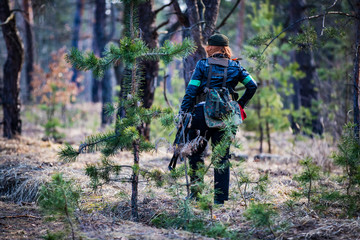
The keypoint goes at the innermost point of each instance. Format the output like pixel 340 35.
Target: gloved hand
pixel 243 113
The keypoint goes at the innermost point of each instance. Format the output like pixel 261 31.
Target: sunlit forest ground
pixel 29 161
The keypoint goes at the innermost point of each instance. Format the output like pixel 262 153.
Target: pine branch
pixel 94 142
pixel 169 50
pixel 82 61
pixel 68 153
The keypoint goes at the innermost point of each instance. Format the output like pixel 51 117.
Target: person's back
pixel 215 72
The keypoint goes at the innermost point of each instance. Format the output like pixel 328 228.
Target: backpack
pixel 218 103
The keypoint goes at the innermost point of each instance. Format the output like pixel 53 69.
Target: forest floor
pixel 27 162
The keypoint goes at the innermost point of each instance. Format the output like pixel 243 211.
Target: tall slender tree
pixel 240 31
pixel 305 89
pixel 356 73
pixel 76 31
pixel 29 51
pixel 100 40
pixel 12 68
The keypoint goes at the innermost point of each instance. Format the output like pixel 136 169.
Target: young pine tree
pixel 126 135
pixel 348 157
pixel 59 198
pixel 307 178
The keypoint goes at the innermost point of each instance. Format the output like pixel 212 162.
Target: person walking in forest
pixel 214 76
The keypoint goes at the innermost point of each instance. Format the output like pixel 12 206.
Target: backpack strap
pixel 225 77
pixel 217 61
pixel 208 79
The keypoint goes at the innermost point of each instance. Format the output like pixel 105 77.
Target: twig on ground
pixel 20 216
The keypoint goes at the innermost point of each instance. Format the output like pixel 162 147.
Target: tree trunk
pixel 29 39
pixel 76 32
pixel 356 74
pixel 261 129
pixel 305 88
pixel 240 34
pixel 135 183
pixel 199 20
pixel 212 8
pixel 150 69
pixel 195 33
pixel 100 40
pixel 12 68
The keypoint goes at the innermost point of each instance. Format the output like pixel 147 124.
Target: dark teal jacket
pixel 235 74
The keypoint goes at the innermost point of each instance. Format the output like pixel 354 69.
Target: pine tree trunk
pixel 29 39
pixel 119 72
pixel 261 130
pixel 268 136
pixel 12 68
pixel 212 8
pixel 305 88
pixel 76 31
pixel 135 183
pixel 198 12
pixel 150 68
pixel 196 34
pixel 356 74
pixel 100 40
pixel 240 29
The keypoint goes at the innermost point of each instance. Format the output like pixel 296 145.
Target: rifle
pixel 180 139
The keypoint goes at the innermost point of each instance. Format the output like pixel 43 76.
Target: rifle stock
pixel 180 136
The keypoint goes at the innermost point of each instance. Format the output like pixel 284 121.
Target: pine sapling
pixel 245 183
pixel 262 215
pixel 60 198
pixel 348 157
pixel 307 178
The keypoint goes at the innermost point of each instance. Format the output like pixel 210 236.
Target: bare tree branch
pixel 304 19
pixel 223 22
pixel 166 99
pixel 187 28
pixel 20 216
pixel 181 16
pixel 162 8
pixel 323 21
pixel 11 17
pixel 161 25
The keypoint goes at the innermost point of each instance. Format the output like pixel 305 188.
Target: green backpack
pixel 218 103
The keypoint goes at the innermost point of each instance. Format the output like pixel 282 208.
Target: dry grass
pixel 26 163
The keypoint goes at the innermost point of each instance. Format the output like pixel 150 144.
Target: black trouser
pixel 221 176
